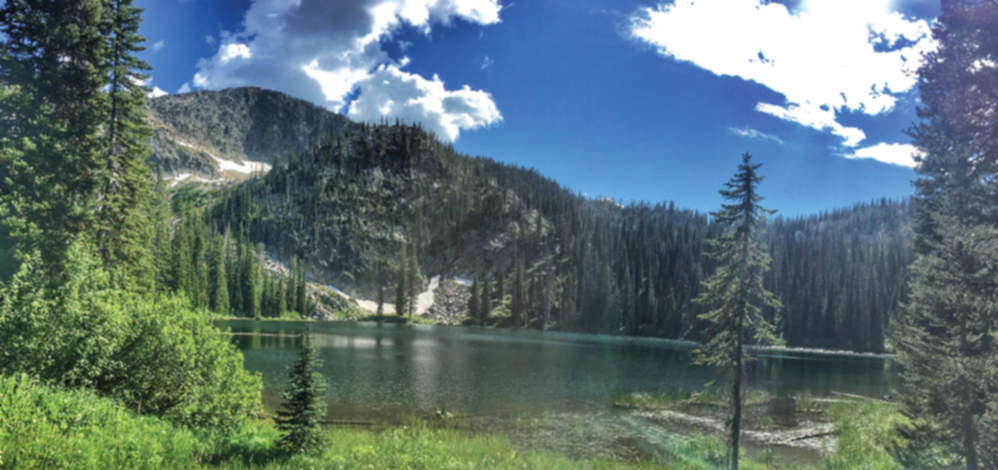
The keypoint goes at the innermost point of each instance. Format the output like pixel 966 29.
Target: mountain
pixel 348 199
pixel 215 136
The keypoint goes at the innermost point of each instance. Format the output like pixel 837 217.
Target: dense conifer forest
pixel 114 278
pixel 544 257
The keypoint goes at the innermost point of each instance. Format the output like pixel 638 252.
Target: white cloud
pixel 487 62
pixel 390 91
pixel 327 51
pixel 894 154
pixel 829 56
pixel 158 45
pixel 185 88
pixel 156 92
pixel 750 133
pixel 234 50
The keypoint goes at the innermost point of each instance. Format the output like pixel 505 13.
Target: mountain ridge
pixel 349 206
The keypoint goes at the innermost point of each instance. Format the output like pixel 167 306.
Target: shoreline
pixel 577 335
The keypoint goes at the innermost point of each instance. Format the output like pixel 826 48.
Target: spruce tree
pixel 519 313
pixel 474 309
pixel 301 291
pixel 124 200
pixel 51 159
pixel 415 280
pixel 402 284
pixel 304 401
pixel 485 300
pixel 219 280
pixel 282 300
pixel 380 280
pixel 945 334
pixel 734 295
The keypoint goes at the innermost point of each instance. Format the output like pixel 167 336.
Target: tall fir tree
pixel 51 147
pixel 304 401
pixel 474 307
pixel 402 283
pixel 485 300
pixel 519 311
pixel 123 206
pixel 415 282
pixel 734 295
pixel 219 289
pixel 945 334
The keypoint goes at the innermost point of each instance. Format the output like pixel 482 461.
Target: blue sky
pixel 634 100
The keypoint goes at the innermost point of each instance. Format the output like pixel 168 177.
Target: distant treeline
pixel 545 257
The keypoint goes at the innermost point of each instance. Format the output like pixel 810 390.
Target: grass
pixel 866 432
pixel 671 400
pixel 42 427
pixel 45 427
pixel 48 427
pixel 419 446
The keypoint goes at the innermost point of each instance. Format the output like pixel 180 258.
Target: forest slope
pixel 348 199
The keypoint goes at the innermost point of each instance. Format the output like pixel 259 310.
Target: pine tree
pixel 123 206
pixel 380 279
pixel 304 401
pixel 51 160
pixel 282 298
pixel 402 284
pixel 486 300
pixel 219 280
pixel 415 282
pixel 474 310
pixel 301 291
pixel 519 313
pixel 945 334
pixel 734 295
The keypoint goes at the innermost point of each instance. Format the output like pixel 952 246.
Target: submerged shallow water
pixel 499 378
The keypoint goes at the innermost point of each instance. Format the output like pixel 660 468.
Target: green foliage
pixel 47 428
pixel 734 294
pixel 347 203
pixel 867 431
pixel 123 229
pixel 51 159
pixel 945 338
pixel 418 446
pixel 304 402
pixel 156 356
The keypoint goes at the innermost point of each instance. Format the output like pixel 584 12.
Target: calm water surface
pixel 376 369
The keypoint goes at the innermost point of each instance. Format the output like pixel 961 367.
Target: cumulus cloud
pixel 828 56
pixel 894 154
pixel 327 52
pixel 390 91
pixel 750 133
pixel 156 92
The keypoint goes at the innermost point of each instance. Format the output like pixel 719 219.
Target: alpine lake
pixel 569 392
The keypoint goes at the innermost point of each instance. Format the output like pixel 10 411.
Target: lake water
pixel 494 377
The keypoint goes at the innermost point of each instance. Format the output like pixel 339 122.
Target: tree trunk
pixel 967 421
pixel 969 447
pixel 736 396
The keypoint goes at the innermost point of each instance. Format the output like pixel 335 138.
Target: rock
pixel 450 305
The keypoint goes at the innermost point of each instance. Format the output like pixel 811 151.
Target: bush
pixel 156 356
pixel 43 427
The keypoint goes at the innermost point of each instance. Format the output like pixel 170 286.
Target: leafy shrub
pixel 156 356
pixel 44 427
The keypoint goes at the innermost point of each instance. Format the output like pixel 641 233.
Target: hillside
pixel 360 196
pixel 214 136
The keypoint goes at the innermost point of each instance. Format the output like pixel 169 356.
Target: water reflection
pixel 382 371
